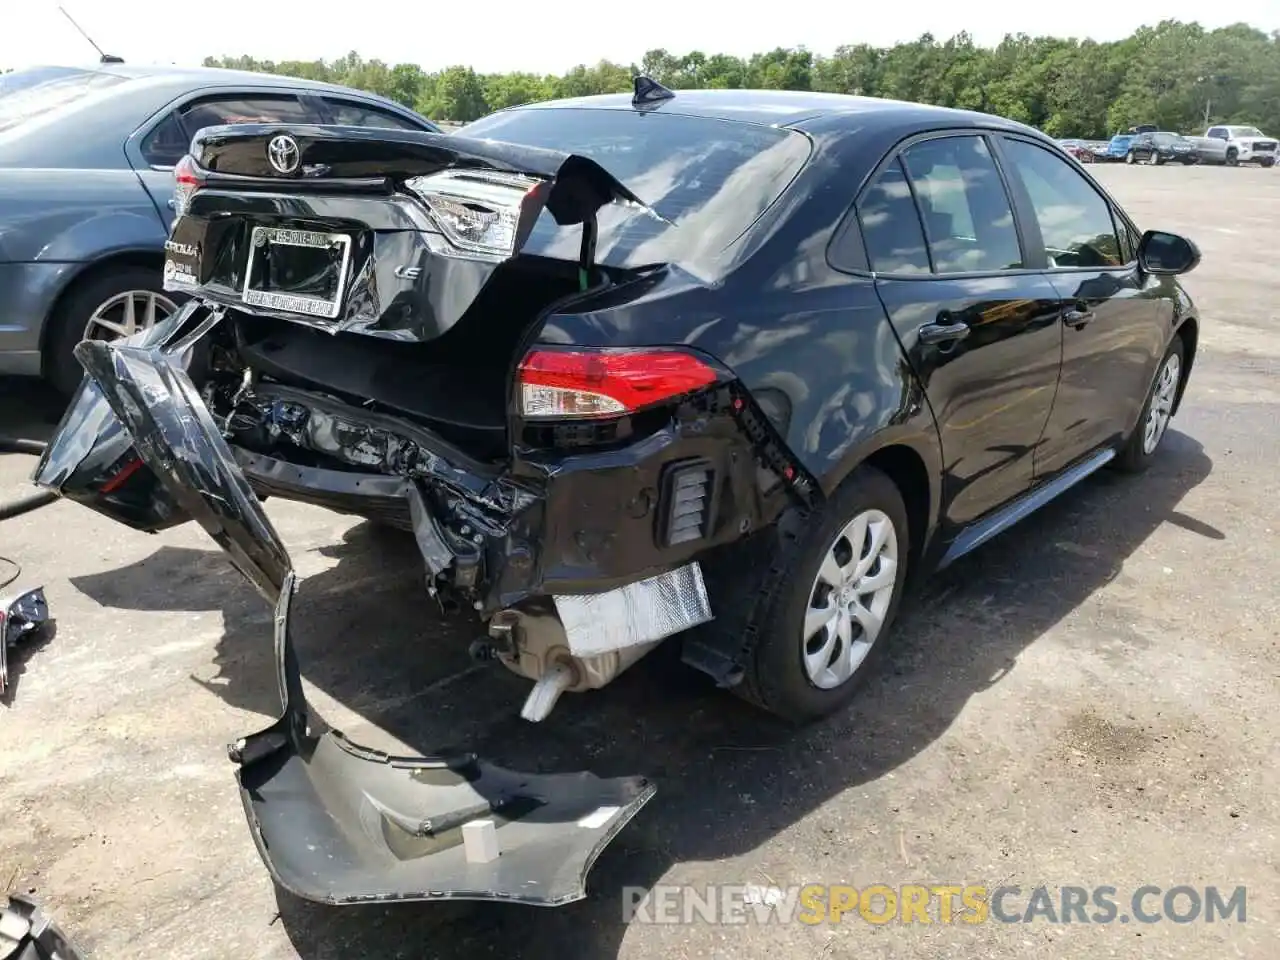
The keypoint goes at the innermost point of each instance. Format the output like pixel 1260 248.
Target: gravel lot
pixel 1086 701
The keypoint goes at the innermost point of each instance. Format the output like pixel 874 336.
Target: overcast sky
pixel 514 36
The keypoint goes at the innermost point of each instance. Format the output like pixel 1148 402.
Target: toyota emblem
pixel 282 151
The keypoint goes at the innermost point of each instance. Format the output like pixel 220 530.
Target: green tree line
pixel 1176 75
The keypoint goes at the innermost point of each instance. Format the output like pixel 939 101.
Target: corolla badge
pixel 283 153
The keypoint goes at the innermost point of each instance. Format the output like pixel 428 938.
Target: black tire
pixel 775 677
pixel 68 322
pixel 1155 159
pixel 1233 158
pixel 1133 458
pixel 1267 163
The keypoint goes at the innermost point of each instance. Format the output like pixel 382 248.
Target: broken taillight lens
pixel 572 384
pixel 186 180
pixel 476 210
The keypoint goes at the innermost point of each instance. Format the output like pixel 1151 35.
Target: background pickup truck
pixel 1234 145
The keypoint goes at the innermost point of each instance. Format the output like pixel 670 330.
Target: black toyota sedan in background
pixel 727 367
pixel 1161 147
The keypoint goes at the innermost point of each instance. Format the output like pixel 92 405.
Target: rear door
pixel 160 143
pixel 1112 333
pixel 978 326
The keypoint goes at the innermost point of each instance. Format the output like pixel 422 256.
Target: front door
pixel 980 331
pixel 1112 330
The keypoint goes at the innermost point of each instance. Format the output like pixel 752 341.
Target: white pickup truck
pixel 1234 145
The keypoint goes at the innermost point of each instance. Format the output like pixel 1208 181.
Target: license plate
pixel 297 271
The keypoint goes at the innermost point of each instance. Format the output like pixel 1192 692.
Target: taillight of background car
pixel 558 384
pixel 186 180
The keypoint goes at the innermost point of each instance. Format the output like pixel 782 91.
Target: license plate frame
pixel 300 304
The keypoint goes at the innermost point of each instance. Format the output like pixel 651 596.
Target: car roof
pixel 782 108
pixel 210 76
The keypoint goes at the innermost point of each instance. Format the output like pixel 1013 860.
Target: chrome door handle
pixel 943 332
pixel 1077 318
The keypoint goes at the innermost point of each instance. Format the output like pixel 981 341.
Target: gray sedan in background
pixel 86 184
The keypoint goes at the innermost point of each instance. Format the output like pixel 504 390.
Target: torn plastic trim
pixel 340 823
pixel 24 616
pixel 334 821
pixel 28 933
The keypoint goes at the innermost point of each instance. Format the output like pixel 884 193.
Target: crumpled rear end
pixel 336 822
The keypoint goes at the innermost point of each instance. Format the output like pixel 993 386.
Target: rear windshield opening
pixel 711 179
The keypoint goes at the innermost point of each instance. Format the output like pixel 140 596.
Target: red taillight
pixel 557 384
pixel 186 180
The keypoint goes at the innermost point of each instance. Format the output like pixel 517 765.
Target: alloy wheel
pixel 849 599
pixel 127 313
pixel 1162 400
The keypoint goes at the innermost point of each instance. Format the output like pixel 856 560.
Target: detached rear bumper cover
pixel 336 822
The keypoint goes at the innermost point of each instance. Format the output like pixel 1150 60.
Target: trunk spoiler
pixel 336 822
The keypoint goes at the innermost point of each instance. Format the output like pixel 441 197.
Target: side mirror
pixel 1167 254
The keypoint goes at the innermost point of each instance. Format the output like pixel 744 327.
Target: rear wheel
pixel 1135 456
pixel 105 306
pixel 1268 162
pixel 821 630
pixel 1130 158
pixel 1233 158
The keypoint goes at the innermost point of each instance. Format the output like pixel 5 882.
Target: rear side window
pixel 1075 220
pixel 891 228
pixel 215 111
pixel 348 113
pixel 967 217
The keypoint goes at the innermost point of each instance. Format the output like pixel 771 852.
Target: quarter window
pixel 891 228
pixel 967 217
pixel 1075 220
pixel 166 144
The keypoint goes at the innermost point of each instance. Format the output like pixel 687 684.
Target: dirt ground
pixel 1088 700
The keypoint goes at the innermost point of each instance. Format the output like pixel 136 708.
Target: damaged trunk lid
pixel 393 234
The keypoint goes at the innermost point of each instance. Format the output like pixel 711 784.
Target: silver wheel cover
pixel 849 599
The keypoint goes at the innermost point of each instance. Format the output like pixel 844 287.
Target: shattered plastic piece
pixel 23 617
pixel 27 934
pixel 635 614
pixel 334 821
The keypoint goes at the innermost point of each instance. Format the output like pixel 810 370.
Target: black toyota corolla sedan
pixel 727 367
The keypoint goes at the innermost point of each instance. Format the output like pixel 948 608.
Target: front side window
pixel 967 217
pixel 1075 220
pixel 891 230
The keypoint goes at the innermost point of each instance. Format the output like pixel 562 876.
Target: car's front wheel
pixel 821 629
pixel 1135 456
pixel 105 306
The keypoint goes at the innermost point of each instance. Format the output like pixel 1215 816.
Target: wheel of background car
pixel 105 306
pixel 1233 158
pixel 821 630
pixel 1130 158
pixel 1152 426
pixel 1267 162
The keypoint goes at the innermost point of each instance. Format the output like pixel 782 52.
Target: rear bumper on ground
pixel 334 821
